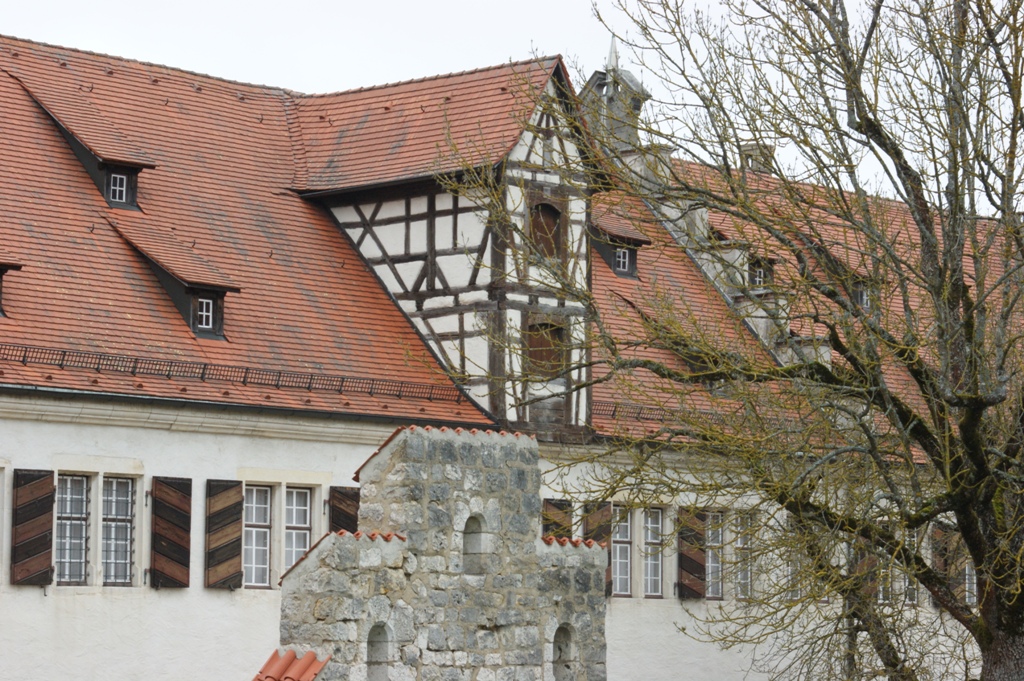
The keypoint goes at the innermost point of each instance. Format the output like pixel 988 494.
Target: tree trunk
pixel 1003 659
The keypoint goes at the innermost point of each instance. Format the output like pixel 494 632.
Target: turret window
pixel 759 273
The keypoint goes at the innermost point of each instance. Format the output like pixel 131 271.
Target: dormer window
pixel 4 268
pixel 624 259
pixel 204 314
pixel 862 296
pixel 120 187
pixel 759 273
pixel 208 314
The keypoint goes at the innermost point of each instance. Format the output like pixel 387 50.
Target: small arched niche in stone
pixel 377 653
pixel 563 655
pixel 474 546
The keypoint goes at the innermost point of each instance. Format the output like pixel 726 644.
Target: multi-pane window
pixel 118 529
pixel 72 540
pixel 744 568
pixel 297 524
pixel 622 260
pixel 970 584
pixel 621 548
pixel 862 296
pixel 759 273
pixel 909 582
pixel 118 188
pixel 204 313
pixel 256 537
pixel 713 543
pixel 652 552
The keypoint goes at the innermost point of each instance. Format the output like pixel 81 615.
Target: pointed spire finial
pixel 613 58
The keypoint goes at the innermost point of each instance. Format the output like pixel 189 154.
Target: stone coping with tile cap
pixel 357 535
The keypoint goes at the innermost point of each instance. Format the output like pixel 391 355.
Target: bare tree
pixel 861 395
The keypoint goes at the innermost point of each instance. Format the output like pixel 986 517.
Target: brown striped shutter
pixel 949 558
pixel 171 534
pixel 597 525
pixel 556 518
pixel 32 535
pixel 224 507
pixel 344 509
pixel 691 555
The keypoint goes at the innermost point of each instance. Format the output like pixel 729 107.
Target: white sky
pixel 317 45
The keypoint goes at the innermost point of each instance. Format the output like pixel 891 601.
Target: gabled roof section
pixel 217 211
pixel 68 101
pixel 419 128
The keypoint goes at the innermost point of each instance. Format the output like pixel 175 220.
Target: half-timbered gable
pixel 476 289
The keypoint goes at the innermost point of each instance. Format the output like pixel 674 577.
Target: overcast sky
pixel 317 45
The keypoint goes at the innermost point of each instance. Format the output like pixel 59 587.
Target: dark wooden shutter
pixel 597 525
pixel 691 555
pixel 224 507
pixel 866 571
pixel 32 530
pixel 556 518
pixel 344 509
pixel 949 558
pixel 171 534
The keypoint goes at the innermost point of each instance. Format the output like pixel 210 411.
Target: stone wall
pixel 455 583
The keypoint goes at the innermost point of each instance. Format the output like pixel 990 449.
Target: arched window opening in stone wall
pixel 474 541
pixel 563 656
pixel 377 654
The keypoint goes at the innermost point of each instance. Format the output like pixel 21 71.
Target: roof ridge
pixel 439 76
pixel 275 89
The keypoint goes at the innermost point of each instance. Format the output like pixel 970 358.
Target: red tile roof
pixel 288 666
pixel 218 210
pixel 418 128
pixel 670 285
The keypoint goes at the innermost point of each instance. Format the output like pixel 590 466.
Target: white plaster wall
pixel 137 632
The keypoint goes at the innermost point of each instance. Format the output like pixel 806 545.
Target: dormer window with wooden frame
pixel 5 267
pixel 861 295
pixel 121 187
pixel 760 273
pixel 208 313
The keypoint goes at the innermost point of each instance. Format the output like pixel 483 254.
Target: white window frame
pixel 118 519
pixel 71 541
pixel 744 568
pixel 653 537
pixel 970 584
pixel 622 259
pixel 760 273
pixel 118 187
pixel 622 548
pixel 714 542
pixel 910 589
pixel 256 535
pixel 861 296
pixel 204 313
pixel 298 523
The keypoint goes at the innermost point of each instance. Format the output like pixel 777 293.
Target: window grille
pixel 118 530
pixel 652 552
pixel 621 547
pixel 297 525
pixel 713 556
pixel 72 542
pixel 256 537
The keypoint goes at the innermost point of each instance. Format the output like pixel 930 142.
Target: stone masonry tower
pixel 454 583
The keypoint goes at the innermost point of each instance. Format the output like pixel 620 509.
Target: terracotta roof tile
pixel 217 210
pixel 418 128
pixel 288 666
